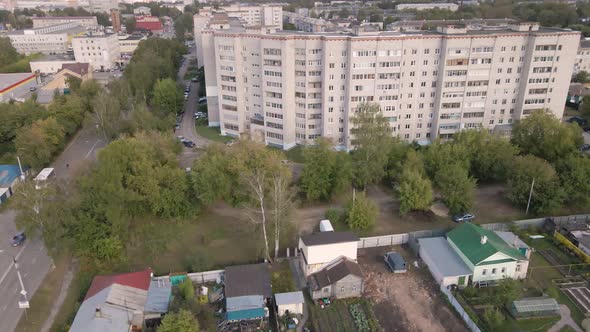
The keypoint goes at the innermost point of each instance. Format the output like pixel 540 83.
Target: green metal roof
pixel 467 238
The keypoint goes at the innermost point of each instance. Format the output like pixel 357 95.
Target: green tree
pixel 415 192
pixel 371 137
pixel 187 289
pixel 69 112
pixel 585 107
pixel 490 155
pixel 543 135
pixel 213 178
pixel 8 54
pixel 493 318
pixel 37 144
pixel 167 96
pixel 439 154
pixel 574 172
pixel 456 186
pixel 325 173
pixel 506 292
pixel 344 13
pixel 361 212
pixel 181 321
pixel 581 77
pixel 547 193
pixel 107 115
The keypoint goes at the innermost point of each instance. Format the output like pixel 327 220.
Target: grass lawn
pixel 282 278
pixel 533 324
pixel 42 301
pixel 209 242
pixel 295 154
pixel 213 134
pixel 571 112
pixel 336 317
pixel 567 328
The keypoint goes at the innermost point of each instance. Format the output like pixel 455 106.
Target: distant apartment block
pixel 267 15
pixel 287 88
pixel 142 10
pixel 54 39
pixel 305 23
pixel 46 21
pixel 583 57
pixel 100 51
pixel 427 6
pixel 103 5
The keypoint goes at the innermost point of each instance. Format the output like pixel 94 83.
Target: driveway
pixel 32 257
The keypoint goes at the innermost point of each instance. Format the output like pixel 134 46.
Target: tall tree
pixel 107 115
pixel 574 172
pixel 167 96
pixel 543 135
pixel 361 212
pixel 325 172
pixel 38 143
pixel 371 136
pixel 547 195
pixel 415 191
pixel 456 186
pixel 8 54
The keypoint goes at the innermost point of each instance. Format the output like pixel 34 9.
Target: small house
pixel 247 291
pixel 291 302
pixel 319 249
pixel 340 279
pixel 395 262
pixel 535 307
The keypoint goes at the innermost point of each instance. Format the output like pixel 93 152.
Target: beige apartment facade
pixel 289 88
pixel 102 52
pixel 85 21
pixel 583 57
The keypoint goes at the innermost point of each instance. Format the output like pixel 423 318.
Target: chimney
pixel 98 312
pixel 484 239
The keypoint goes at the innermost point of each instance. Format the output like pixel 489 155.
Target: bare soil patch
pixel 409 301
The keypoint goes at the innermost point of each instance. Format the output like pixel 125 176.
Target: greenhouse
pixel 534 307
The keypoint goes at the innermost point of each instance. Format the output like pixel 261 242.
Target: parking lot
pixel 408 301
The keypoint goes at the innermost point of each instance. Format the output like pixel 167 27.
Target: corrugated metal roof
pixel 245 314
pixel 158 297
pixel 244 302
pixel 289 298
pixel 447 261
pixel 242 280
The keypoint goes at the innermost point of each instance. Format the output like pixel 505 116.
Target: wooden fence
pixel 464 315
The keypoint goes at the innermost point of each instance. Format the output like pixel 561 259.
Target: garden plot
pixel 581 297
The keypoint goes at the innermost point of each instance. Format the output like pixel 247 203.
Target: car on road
pixel 463 217
pixel 18 239
pixel 202 100
pixel 194 79
pixel 32 88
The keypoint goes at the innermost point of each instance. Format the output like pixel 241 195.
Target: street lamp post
pixel 25 303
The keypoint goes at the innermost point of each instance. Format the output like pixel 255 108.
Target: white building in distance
pixel 46 21
pixel 100 51
pixel 287 88
pixel 427 6
pixel 53 39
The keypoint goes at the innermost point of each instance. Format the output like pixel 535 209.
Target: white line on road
pixel 91 149
pixel 11 264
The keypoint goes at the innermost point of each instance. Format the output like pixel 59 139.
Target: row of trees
pixel 542 149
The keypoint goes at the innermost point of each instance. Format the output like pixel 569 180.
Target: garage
pixel 444 263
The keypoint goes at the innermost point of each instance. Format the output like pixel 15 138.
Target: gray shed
pixel 396 262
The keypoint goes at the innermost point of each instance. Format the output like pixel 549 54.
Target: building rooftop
pixel 33 31
pixel 244 280
pixel 78 68
pixel 535 304
pixel 8 173
pixel 158 296
pixel 54 57
pixel 444 257
pixel 335 272
pixel 468 239
pixel 585 43
pixel 322 238
pixel 8 81
pixel 289 298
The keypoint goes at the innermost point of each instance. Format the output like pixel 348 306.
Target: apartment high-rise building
pixel 101 51
pixel 268 15
pixel 287 88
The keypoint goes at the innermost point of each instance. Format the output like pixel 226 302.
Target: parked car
pixel 585 147
pixel 194 79
pixel 463 217
pixel 32 88
pixel 18 239
pixel 202 100
pixel 189 144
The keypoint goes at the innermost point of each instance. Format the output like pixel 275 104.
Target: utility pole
pixel 528 204
pixel 22 174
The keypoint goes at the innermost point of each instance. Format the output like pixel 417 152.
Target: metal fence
pixel 415 236
pixel 382 241
pixel 468 321
pixel 207 276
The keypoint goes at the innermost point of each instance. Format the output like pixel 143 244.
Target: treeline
pixel 542 149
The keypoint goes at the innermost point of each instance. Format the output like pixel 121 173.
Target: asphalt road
pixel 34 263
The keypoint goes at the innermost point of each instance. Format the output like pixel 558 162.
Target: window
pixel 545 47
pixel 456 72
pixel 388 64
pixel 503 270
pixel 363 65
pixel 537 70
pixel 272 51
pixel 494 271
pixel 518 268
pixel 364 53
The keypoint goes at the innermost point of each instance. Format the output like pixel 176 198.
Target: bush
pixel 358 316
pixel 470 292
pixel 493 319
pixel 334 215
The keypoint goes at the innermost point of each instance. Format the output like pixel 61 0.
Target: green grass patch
pixel 571 112
pixel 213 134
pixel 567 328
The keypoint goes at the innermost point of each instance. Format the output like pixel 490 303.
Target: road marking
pixel 12 264
pixel 91 149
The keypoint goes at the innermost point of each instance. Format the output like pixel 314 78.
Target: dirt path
pixel 405 302
pixel 63 292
